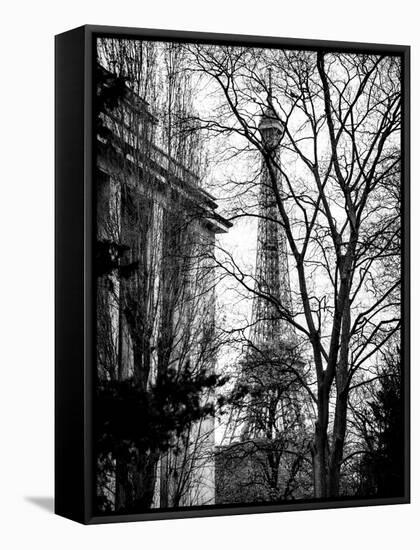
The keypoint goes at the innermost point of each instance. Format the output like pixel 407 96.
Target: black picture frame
pixel 74 285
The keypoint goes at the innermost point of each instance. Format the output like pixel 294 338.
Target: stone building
pixel 155 229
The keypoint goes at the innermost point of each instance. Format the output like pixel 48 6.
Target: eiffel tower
pixel 272 340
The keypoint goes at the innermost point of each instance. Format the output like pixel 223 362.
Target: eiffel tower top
pixel 270 328
pixel 270 119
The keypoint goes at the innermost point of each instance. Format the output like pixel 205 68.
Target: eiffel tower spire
pixel 271 337
pixel 272 270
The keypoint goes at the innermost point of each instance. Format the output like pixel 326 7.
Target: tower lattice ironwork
pixel 273 302
pixel 271 340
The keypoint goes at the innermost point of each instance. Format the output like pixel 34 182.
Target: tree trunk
pixel 122 488
pixel 319 460
pixel 339 433
pixel 320 445
pixel 340 417
pixel 144 481
pixel 164 481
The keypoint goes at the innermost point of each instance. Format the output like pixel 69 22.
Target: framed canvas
pixel 232 274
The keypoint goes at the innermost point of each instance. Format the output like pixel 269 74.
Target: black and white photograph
pixel 209 306
pixel 247 272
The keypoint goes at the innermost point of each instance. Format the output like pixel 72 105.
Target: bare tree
pixel 340 156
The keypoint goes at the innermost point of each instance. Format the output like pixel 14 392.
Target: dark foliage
pixel 108 259
pixel 382 468
pixel 110 91
pixel 127 416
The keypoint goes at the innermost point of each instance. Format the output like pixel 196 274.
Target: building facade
pixel 155 232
